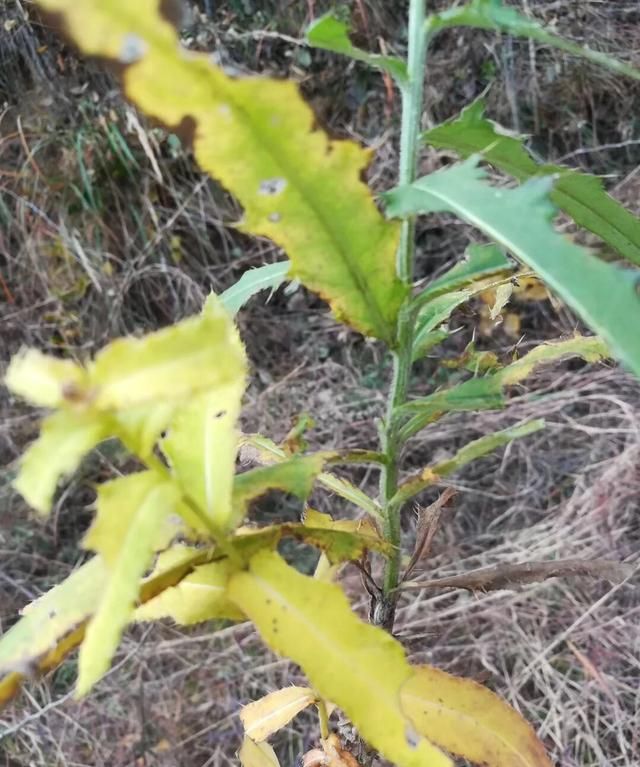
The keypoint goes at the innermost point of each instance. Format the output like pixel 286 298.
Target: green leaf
pixel 347 490
pixel 480 261
pixel 65 438
pixel 581 196
pixel 359 667
pixel 423 345
pixel 296 186
pixel 605 296
pixel 196 355
pixel 146 502
pixel 475 394
pixel 438 300
pixel 439 309
pixel 201 447
pixel 493 14
pixel 470 721
pixel 267 277
pixel 487 393
pixel 432 315
pixel 46 381
pixel 296 476
pixel 331 34
pixel 465 455
pixel 52 617
pixel 201 596
pixel 269 452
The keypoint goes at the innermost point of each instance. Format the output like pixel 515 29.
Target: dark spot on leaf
pixel 272 186
pixel 412 737
pixel 172 11
pixel 70 391
pixel 52 614
pixel 220 414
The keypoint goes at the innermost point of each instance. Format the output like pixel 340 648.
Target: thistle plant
pixel 171 541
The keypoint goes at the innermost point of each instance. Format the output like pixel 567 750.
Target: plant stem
pixel 412 103
pixel 323 716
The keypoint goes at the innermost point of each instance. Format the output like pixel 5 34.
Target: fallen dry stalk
pixel 512 576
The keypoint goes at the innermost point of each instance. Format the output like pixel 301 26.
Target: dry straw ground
pixel 106 227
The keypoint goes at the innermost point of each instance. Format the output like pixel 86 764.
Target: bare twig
pixel 511 576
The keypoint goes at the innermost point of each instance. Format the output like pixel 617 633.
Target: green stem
pixel 323 716
pixel 412 104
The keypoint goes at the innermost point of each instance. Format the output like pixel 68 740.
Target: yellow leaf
pixel 254 754
pixel 591 349
pixel 64 440
pixel 359 667
pixel 201 447
pixel 201 596
pixel 364 526
pixel 118 503
pixel 140 427
pixel 194 356
pixel 54 625
pixel 9 687
pixel 129 552
pixel 46 381
pixel 470 721
pixel 325 571
pixel 511 324
pixel 269 714
pixel 51 617
pixel 296 186
pixel 503 294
